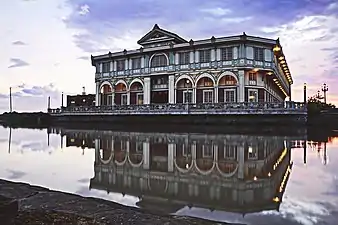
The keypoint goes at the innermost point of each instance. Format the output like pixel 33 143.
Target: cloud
pixel 16 62
pixel 84 9
pixel 18 43
pixel 84 57
pixel 15 174
pixel 31 98
pixel 216 11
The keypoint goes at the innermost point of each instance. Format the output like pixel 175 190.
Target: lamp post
pixel 305 93
pixel 187 93
pixel 61 99
pixel 325 89
pixel 318 95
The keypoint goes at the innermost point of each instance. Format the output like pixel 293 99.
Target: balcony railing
pixel 212 108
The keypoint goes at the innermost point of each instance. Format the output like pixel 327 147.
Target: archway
pixel 204 158
pixel 120 151
pixel 205 90
pixel 106 94
pixel 184 91
pixel 135 155
pixel 183 160
pixel 227 89
pixel 106 153
pixel 136 93
pixel 121 96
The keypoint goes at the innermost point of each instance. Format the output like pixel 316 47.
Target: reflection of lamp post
pixel 325 89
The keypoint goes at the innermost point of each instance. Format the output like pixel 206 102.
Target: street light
pixel 305 93
pixel 325 89
pixel 187 81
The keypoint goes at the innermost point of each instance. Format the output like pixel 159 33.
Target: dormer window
pixel 159 61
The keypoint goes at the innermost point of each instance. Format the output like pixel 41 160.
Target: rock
pixel 8 210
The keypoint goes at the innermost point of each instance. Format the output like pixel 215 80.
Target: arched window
pixel 159 60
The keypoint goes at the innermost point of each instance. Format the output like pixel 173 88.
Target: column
pixel 100 67
pixel 97 94
pixel 146 155
pixel 126 64
pixel 142 61
pixel 113 96
pixel 212 55
pixel 216 94
pixel 171 89
pixel 171 149
pixel 115 65
pixel 128 97
pixel 111 66
pixel 197 56
pixel 240 160
pixel 241 89
pixel 192 57
pixel 130 64
pixel 177 60
pixel 146 90
pixel 194 95
pixel 97 150
pixel 218 54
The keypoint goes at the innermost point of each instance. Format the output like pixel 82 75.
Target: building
pixel 81 100
pixel 170 69
pixel 232 173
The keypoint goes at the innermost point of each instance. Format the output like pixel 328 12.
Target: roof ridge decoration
pixel 158 35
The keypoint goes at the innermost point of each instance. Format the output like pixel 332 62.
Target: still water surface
pixel 231 178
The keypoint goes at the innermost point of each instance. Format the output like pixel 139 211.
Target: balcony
pixel 159 86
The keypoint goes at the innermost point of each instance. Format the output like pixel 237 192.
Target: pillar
pixel 146 151
pixel 216 94
pixel 128 97
pixel 171 149
pixel 177 58
pixel 241 89
pixel 212 55
pixel 240 159
pixel 146 90
pixel 194 95
pixel 171 89
pixel 97 94
pixel 97 150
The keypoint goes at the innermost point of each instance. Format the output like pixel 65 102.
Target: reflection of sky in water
pixel 311 195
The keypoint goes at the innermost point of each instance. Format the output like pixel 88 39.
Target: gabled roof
pixel 157 35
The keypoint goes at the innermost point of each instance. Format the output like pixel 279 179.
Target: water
pixel 231 178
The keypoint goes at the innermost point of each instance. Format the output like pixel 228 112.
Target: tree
pixel 315 105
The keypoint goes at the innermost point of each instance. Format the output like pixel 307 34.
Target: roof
pixel 159 35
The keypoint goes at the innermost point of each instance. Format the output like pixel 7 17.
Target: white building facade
pixel 170 69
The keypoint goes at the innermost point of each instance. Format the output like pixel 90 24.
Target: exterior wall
pixel 243 61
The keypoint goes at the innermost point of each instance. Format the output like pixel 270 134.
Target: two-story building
pixel 169 69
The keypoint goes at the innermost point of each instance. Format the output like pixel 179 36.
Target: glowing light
pixel 255 178
pixel 256 70
pixel 281 58
pixel 187 166
pixel 269 174
pixel 282 62
pixel 269 73
pixel 275 199
pixel 276 49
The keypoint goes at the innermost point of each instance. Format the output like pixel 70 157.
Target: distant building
pixel 81 100
pixel 170 69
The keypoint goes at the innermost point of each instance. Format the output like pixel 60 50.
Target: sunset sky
pixel 46 44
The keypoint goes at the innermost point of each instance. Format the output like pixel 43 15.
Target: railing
pixel 210 108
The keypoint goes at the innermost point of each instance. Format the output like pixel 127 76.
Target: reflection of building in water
pixel 227 172
pixel 81 140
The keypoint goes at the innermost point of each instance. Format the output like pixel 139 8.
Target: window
pixel 159 60
pixel 205 56
pixel 252 152
pixel 229 96
pixel 253 96
pixel 120 65
pixel 123 145
pixel 186 150
pixel 252 78
pixel 139 147
pixel 184 58
pixel 136 63
pixel 227 54
pixel 207 151
pixel 187 96
pixel 208 96
pixel 124 99
pixel 230 151
pixel 106 67
pixel 259 54
pixel 139 100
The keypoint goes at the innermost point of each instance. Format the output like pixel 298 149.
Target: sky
pixel 46 44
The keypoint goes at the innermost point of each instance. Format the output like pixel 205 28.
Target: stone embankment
pixel 22 203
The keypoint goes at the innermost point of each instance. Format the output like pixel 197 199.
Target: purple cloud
pixel 18 43
pixel 83 57
pixel 106 21
pixel 16 62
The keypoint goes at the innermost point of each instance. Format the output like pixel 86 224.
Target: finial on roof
pixel 125 51
pixel 141 49
pixel 109 53
pixel 213 39
pixel 156 26
pixel 277 40
pixel 191 42
pixel 244 33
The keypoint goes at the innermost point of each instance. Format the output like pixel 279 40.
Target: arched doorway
pixel 227 89
pixel 205 90
pixel 136 93
pixel 121 96
pixel 106 95
pixel 204 157
pixel 184 91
